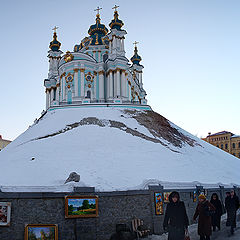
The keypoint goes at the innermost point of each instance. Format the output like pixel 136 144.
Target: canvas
pixel 5 214
pixel 158 198
pixel 41 232
pixel 81 206
pixel 166 196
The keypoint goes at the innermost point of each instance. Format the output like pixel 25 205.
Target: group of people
pixel 208 213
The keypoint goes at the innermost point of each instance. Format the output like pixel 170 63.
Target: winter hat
pixel 202 196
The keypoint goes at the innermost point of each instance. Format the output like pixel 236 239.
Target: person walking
pixel 203 211
pixel 175 219
pixel 231 205
pixel 216 217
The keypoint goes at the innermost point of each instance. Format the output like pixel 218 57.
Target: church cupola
pixel 54 44
pixel 116 23
pixel 136 58
pixel 98 30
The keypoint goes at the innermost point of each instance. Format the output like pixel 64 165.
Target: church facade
pixel 97 71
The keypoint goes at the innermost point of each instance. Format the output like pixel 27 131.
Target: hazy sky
pixel 190 51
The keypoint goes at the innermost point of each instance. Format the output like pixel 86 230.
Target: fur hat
pixel 202 196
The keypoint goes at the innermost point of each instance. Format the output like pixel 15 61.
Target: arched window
pixel 88 94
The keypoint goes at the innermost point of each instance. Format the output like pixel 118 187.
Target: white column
pixel 95 87
pixel 118 83
pixel 99 56
pixel 64 88
pixel 82 82
pixel 123 85
pixel 114 84
pixel 101 86
pixel 47 99
pixel 130 92
pixel 57 93
pixel 140 79
pixel 110 84
pixel 110 46
pixel 51 95
pixel 76 82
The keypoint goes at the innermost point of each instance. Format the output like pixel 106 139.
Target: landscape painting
pixel 158 203
pixel 5 213
pixel 81 206
pixel 41 232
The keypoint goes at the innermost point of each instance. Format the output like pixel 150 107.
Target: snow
pixel 108 158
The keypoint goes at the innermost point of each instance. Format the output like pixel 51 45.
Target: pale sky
pixel 190 51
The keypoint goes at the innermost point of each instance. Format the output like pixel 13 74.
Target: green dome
pixel 116 23
pixel 136 58
pixel 98 28
pixel 54 44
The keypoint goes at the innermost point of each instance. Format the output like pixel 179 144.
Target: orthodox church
pixel 97 71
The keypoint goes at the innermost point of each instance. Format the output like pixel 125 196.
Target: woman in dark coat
pixel 216 218
pixel 203 210
pixel 231 205
pixel 175 219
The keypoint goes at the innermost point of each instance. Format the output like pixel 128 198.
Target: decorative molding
pixel 101 72
pixel 75 69
pixel 82 69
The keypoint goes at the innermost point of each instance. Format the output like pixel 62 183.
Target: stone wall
pixel 114 208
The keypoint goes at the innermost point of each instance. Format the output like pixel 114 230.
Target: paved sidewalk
pixel 218 235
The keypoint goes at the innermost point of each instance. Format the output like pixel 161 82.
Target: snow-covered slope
pixel 111 149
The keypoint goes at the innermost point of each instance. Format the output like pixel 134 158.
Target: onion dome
pixel 54 44
pixel 97 31
pixel 116 23
pixel 136 58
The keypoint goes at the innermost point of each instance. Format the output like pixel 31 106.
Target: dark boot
pixel 202 238
pixel 232 230
pixel 207 238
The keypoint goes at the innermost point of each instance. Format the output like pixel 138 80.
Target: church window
pixel 239 145
pixel 88 94
pixel 233 145
pixel 226 146
pixel 54 94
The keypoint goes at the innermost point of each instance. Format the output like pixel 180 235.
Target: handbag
pixel 187 237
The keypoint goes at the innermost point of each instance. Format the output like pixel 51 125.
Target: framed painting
pixel 166 196
pixel 41 231
pixel 5 214
pixel 158 198
pixel 81 206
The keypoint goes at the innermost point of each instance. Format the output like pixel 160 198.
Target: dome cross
pixel 55 28
pixel 135 43
pixel 115 7
pixel 98 9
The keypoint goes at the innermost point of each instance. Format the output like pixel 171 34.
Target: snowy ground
pixel 111 150
pixel 218 235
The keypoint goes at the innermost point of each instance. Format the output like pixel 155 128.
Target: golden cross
pixel 135 43
pixel 115 7
pixel 98 9
pixel 55 28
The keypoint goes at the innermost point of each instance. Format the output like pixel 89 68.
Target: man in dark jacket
pixel 175 219
pixel 231 205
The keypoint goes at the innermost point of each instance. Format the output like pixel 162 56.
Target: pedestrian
pixel 231 205
pixel 216 218
pixel 204 211
pixel 175 219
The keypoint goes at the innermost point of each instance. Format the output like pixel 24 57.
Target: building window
pixel 221 146
pixel 239 145
pixel 88 94
pixel 226 146
pixel 233 145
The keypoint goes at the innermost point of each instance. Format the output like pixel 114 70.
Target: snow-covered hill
pixel 111 149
